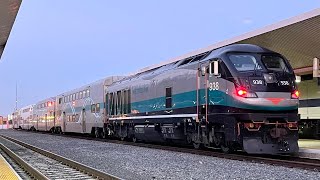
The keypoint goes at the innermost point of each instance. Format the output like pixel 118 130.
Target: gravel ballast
pixel 131 162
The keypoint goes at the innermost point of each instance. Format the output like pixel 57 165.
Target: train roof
pixel 46 100
pixel 105 81
pixel 249 48
pixel 297 38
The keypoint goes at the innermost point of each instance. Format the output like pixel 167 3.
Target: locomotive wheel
pixel 134 139
pixel 227 147
pixel 104 133
pixel 97 133
pixel 196 145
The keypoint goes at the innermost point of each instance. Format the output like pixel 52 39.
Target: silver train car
pixel 79 111
pixel 43 115
pixel 309 108
pixel 82 110
pixel 16 119
pixel 26 114
pixel 238 97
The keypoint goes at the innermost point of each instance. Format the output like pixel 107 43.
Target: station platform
pixel 6 171
pixel 309 148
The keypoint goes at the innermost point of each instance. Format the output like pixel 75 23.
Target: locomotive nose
pixel 269 78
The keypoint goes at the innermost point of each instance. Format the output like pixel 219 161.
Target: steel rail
pixel 287 161
pixel 73 164
pixel 24 165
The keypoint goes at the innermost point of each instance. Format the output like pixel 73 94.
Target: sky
pixel 58 45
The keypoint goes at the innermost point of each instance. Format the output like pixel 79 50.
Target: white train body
pixel 80 110
pixel 26 117
pixel 43 115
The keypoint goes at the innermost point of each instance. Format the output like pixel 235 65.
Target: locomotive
pixel 238 97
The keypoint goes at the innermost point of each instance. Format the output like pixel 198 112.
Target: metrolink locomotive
pixel 238 97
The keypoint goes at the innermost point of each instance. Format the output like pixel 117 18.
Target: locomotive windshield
pixel 274 63
pixel 251 62
pixel 244 62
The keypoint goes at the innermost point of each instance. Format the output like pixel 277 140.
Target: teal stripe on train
pixel 188 99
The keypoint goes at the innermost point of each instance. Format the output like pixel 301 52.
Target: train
pixel 309 107
pixel 237 97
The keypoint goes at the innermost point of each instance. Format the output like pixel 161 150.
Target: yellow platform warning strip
pixel 309 143
pixel 6 171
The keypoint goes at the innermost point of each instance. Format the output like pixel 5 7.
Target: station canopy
pixel 297 38
pixel 8 12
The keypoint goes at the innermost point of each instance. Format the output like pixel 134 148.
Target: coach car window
pixel 77 95
pixel 81 95
pixel 84 94
pixel 88 93
pixel 97 107
pixel 93 108
pixel 169 97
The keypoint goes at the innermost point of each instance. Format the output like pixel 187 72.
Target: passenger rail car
pixel 16 119
pixel 82 110
pixel 309 107
pixel 44 115
pixel 26 114
pixel 235 97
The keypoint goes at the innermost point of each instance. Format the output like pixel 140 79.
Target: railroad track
pixel 287 161
pixel 42 164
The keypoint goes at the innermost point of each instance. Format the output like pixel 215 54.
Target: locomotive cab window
pixel 274 63
pixel 169 97
pixel 245 62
